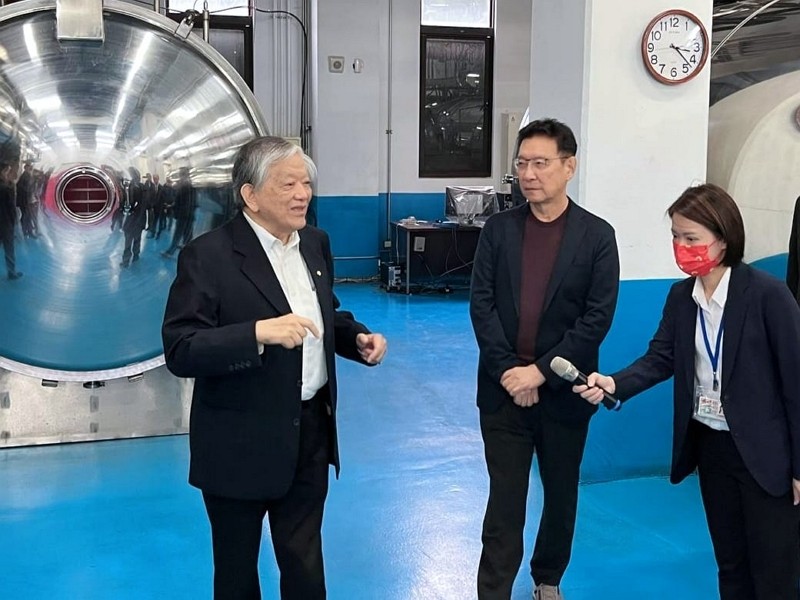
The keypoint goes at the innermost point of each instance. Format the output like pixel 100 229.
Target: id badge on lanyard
pixel 708 402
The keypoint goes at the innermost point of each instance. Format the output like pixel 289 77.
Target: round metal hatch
pixel 98 122
pixel 86 195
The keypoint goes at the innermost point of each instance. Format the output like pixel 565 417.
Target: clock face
pixel 675 46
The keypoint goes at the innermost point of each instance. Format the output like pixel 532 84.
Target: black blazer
pixel 760 365
pixel 244 428
pixel 579 305
pixel 793 264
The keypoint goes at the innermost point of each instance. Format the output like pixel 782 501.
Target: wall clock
pixel 675 46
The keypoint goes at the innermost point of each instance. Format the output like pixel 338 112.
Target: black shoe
pixel 124 264
pixel 135 258
pixel 14 275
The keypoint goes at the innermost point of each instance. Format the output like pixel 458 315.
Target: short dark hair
pixel 553 129
pixel 713 208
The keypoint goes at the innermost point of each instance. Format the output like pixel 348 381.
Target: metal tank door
pixel 116 145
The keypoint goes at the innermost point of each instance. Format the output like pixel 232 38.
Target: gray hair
pixel 256 157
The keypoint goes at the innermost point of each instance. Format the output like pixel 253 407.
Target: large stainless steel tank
pixel 82 123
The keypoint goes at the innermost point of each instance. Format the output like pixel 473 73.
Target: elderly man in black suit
pixel 253 318
pixel 544 284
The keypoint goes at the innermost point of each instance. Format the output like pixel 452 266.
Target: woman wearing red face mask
pixel 730 337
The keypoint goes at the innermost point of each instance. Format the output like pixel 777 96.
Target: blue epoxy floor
pixel 117 520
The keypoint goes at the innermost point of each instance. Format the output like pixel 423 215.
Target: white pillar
pixel 640 142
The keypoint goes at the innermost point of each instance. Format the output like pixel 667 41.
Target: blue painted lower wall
pixel 635 441
pixel 357 226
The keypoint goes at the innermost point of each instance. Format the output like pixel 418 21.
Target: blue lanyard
pixel 713 357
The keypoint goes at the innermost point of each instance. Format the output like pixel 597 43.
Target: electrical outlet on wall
pixel 336 64
pixel 419 244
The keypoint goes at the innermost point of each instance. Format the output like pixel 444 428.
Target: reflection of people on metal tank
pixel 166 202
pixel 24 202
pixel 8 218
pixel 149 201
pixel 37 191
pixel 135 221
pixel 183 210
pixel 122 200
pixel 154 213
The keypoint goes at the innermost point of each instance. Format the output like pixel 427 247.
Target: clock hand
pixel 678 50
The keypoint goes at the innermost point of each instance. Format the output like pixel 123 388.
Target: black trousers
pixel 756 537
pixel 8 247
pixel 295 522
pixel 133 244
pixel 510 437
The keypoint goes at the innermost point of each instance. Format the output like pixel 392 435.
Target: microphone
pixel 566 370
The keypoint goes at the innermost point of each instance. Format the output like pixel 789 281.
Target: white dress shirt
pixel 298 287
pixel 712 312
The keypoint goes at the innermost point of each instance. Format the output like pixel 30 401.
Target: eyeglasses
pixel 537 164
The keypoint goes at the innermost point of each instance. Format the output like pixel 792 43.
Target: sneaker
pixel 547 592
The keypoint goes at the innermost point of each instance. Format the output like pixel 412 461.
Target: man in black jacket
pixel 253 318
pixel 544 284
pixel 793 263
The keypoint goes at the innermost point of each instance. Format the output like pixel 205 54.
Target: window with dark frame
pixel 455 106
pixel 455 132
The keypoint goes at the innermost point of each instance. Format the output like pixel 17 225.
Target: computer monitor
pixel 469 205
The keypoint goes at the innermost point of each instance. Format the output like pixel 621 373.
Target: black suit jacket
pixel 244 429
pixel 8 211
pixel 760 365
pixel 579 305
pixel 793 263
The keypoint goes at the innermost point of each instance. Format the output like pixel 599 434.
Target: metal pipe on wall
pixel 306 133
pixel 389 128
pixel 733 31
pixel 206 19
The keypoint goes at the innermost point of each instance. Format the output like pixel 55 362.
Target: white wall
pixel 559 37
pixel 350 122
pixel 346 127
pixel 644 142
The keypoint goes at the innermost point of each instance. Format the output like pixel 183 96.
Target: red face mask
pixel 694 260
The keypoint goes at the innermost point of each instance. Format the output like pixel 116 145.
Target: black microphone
pixel 566 370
